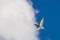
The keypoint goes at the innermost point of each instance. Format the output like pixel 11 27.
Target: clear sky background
pixel 50 10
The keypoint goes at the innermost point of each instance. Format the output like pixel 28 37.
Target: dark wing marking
pixel 36 25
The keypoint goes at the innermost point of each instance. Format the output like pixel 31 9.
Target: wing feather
pixel 42 22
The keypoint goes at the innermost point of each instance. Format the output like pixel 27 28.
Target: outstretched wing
pixel 42 22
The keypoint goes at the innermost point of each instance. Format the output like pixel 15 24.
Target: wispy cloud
pixel 17 20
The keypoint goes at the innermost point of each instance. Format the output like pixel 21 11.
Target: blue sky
pixel 50 10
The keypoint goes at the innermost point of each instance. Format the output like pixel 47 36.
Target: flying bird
pixel 40 26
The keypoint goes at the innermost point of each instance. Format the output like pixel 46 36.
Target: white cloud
pixel 17 20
